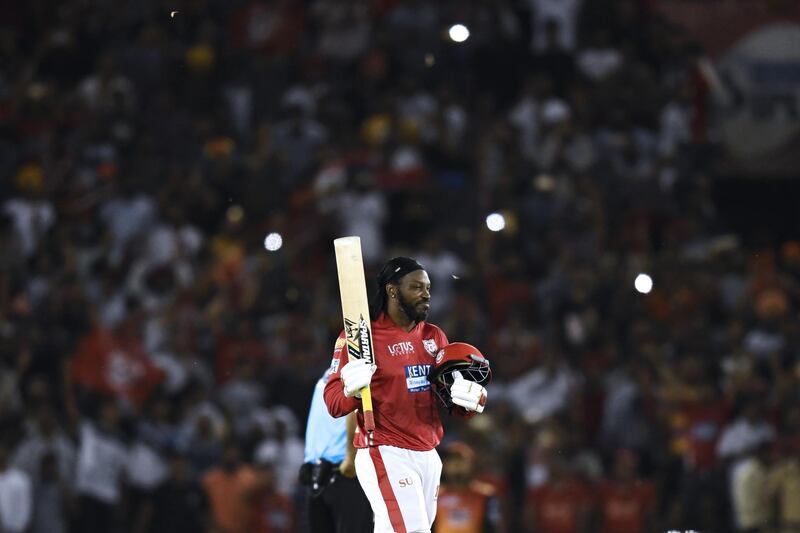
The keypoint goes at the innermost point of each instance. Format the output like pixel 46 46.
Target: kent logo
pixel 417 378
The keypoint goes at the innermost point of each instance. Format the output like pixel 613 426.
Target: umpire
pixel 336 502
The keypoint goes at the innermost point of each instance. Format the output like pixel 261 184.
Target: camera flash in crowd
pixel 643 283
pixel 273 242
pixel 495 222
pixel 458 33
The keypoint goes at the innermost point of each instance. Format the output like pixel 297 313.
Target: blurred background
pixel 602 191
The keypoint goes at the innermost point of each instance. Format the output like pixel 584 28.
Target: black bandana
pixel 397 268
pixel 392 271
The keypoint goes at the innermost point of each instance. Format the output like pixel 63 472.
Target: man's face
pixel 414 295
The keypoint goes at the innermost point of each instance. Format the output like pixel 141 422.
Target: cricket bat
pixel 355 312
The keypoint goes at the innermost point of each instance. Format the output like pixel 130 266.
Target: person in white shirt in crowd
pixel 361 211
pixel 128 216
pixel 32 215
pixel 544 391
pixel 16 496
pixel 563 12
pixel 52 498
pixel 537 109
pixel 738 448
pixel 599 59
pixel 201 431
pixel 745 432
pixel 145 471
pixel 44 437
pixel 100 471
pixel 443 266
pixel 242 394
pixel 345 29
pixel 285 449
pixel 105 85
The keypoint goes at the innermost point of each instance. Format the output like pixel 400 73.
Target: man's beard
pixel 411 311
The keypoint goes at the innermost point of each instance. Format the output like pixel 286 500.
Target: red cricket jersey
pixel 405 407
pixel 625 507
pixel 557 507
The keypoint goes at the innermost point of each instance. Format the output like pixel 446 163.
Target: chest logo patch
pixel 417 378
pixel 430 346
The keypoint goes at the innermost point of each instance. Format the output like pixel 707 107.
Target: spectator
pixel 52 497
pixel 274 511
pixel 783 482
pixel 16 495
pixel 179 504
pixel 231 489
pixel 750 428
pixel 45 438
pixel 100 90
pixel 100 470
pixel 128 216
pixel 561 15
pixel 749 489
pixel 32 215
pixel 626 502
pixel 543 391
pixel 465 503
pixel 362 210
pixel 599 59
pixel 444 267
pixel 782 485
pixel 562 504
pixel 283 452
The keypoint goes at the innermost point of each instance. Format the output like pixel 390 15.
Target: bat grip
pixel 369 417
pixel 369 421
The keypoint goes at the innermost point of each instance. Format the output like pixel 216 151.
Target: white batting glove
pixel 356 375
pixel 468 394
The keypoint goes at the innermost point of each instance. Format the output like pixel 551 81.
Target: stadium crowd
pixel 157 362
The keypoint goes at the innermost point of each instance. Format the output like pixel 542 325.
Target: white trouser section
pixel 402 487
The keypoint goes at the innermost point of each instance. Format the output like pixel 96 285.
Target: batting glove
pixel 468 394
pixel 355 376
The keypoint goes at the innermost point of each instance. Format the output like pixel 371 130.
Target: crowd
pixel 157 361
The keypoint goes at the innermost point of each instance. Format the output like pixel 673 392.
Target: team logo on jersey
pixel 401 348
pixel 334 365
pixel 430 345
pixel 417 378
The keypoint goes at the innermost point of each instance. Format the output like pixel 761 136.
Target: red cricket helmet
pixel 461 357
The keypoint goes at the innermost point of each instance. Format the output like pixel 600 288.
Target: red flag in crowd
pixel 109 364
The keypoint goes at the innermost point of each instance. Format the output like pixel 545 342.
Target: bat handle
pixel 369 417
pixel 369 421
